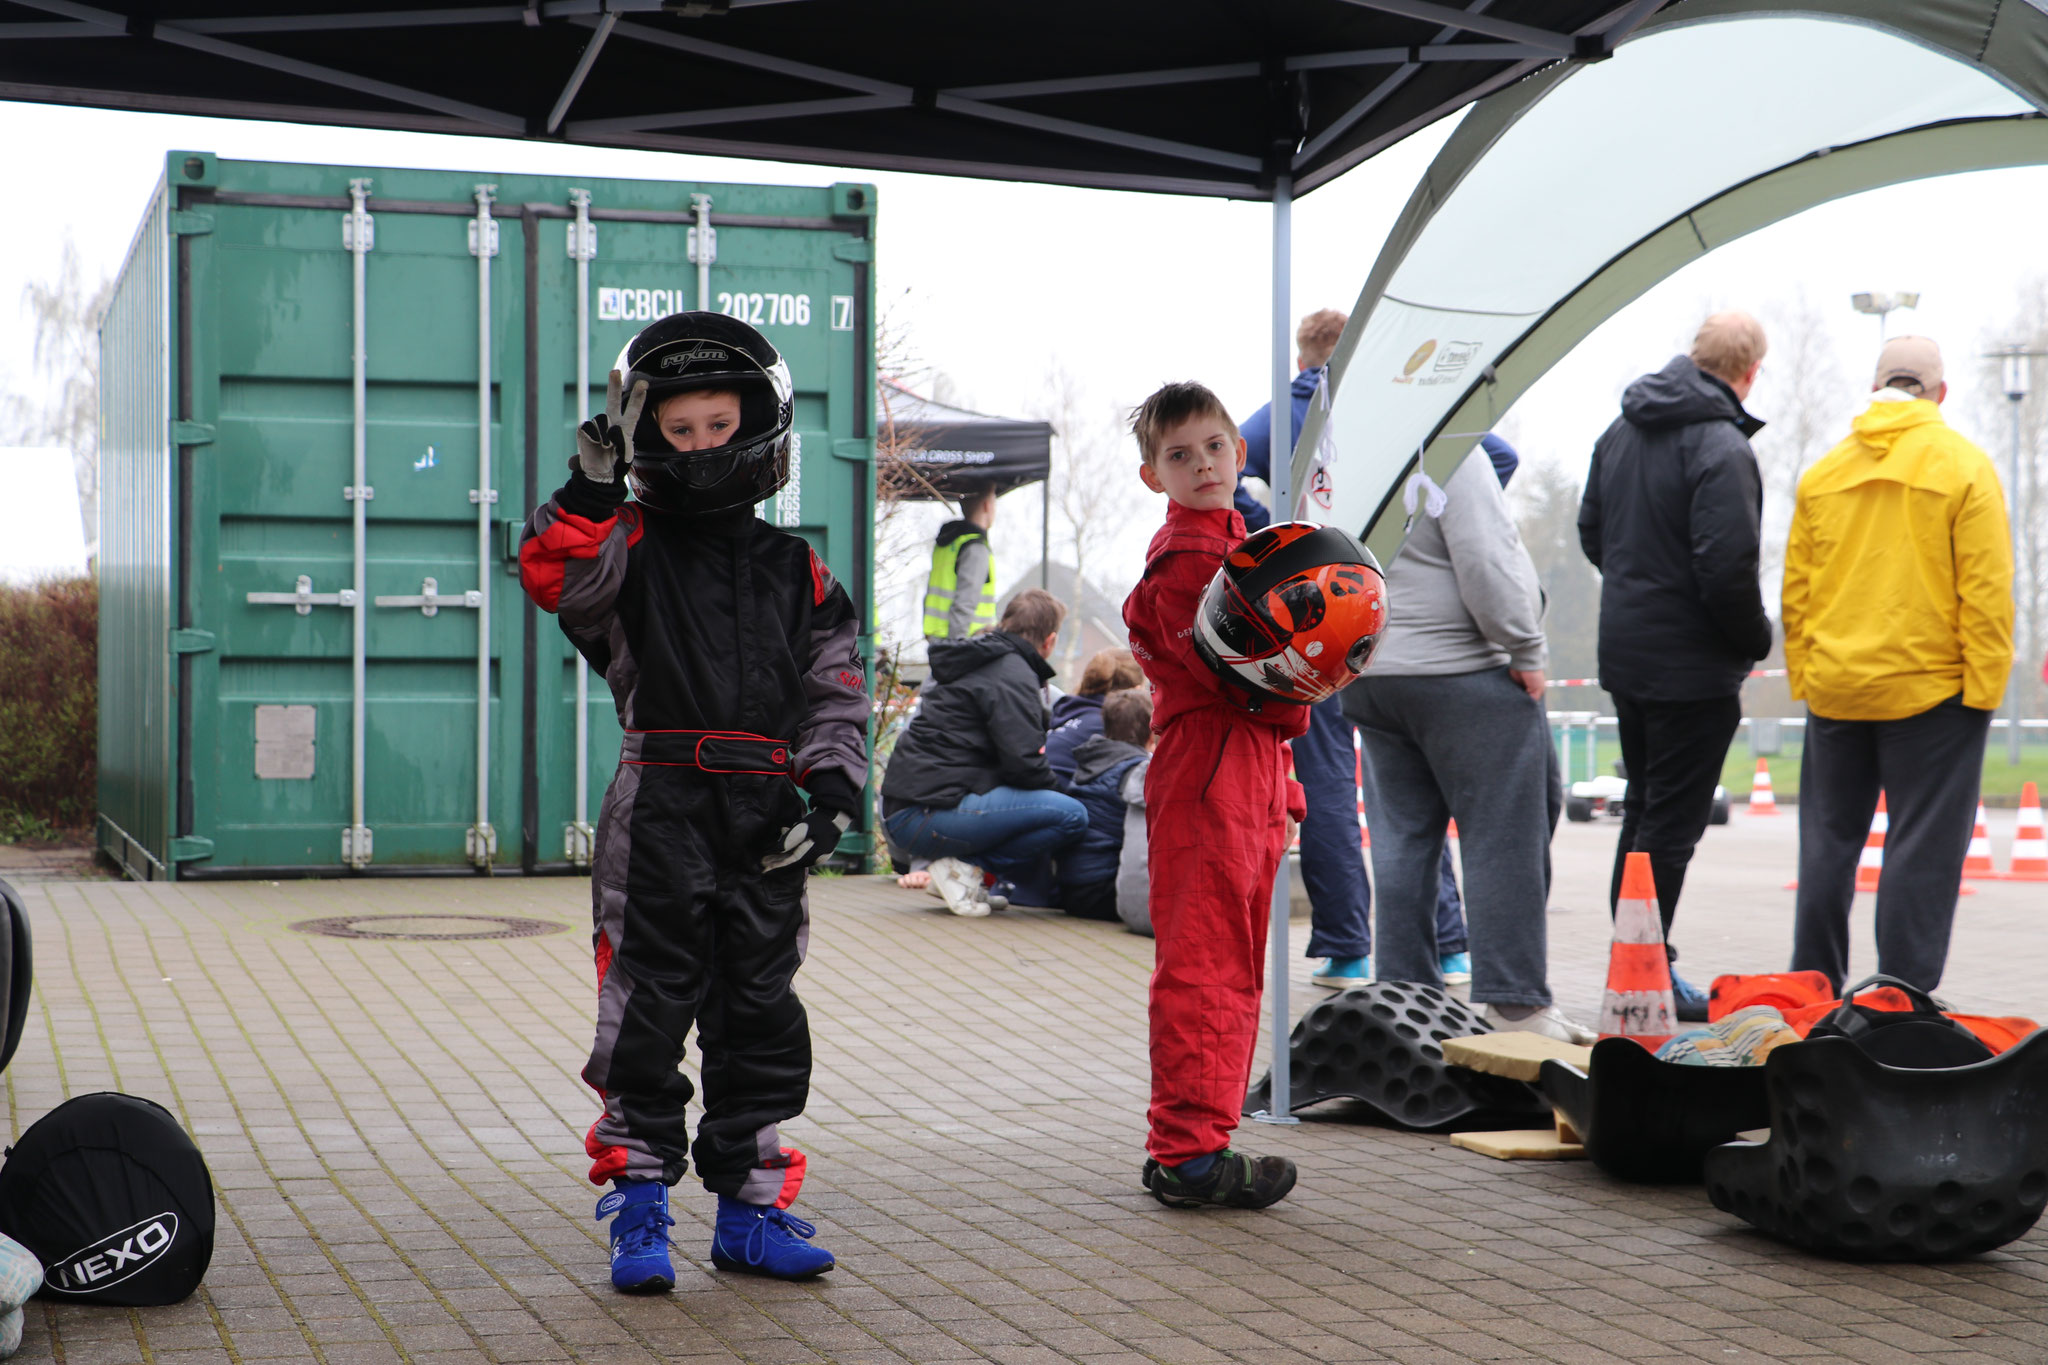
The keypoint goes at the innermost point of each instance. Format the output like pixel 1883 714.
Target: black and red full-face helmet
pixel 686 351
pixel 1294 613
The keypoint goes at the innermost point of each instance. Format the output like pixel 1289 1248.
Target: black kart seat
pixel 1649 1121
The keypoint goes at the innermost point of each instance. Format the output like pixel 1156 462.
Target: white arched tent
pixel 1560 200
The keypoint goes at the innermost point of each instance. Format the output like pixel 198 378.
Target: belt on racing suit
pixel 728 752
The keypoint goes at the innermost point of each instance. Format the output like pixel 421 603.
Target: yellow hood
pixel 1880 425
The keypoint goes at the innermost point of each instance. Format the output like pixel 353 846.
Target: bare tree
pixel 1093 498
pixel 66 310
pixel 2027 325
pixel 1807 400
pixel 1546 502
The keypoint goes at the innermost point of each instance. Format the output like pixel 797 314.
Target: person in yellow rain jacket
pixel 1898 637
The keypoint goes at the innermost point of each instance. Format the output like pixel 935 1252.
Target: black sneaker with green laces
pixel 1236 1181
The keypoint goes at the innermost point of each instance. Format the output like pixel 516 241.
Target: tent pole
pixel 1280 468
pixel 1045 539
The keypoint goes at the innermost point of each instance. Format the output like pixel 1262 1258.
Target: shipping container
pixel 329 398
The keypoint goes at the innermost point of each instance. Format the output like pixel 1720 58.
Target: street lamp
pixel 2016 365
pixel 1880 305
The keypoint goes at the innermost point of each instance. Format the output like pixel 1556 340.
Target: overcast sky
pixel 1004 281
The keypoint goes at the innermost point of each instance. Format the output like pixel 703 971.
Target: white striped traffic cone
pixel 1762 800
pixel 1358 759
pixel 1978 861
pixel 1870 863
pixel 2029 845
pixel 1637 1003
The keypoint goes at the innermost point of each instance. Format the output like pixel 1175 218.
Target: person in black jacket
pixel 969 785
pixel 1670 518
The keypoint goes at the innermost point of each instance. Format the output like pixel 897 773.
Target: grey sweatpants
pixel 1473 747
pixel 1929 767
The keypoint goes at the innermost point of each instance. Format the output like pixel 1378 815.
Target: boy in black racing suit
pixel 732 657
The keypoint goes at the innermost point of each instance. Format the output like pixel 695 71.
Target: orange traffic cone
pixel 1638 1000
pixel 1358 761
pixel 1977 863
pixel 1762 800
pixel 2029 845
pixel 1870 863
pixel 1452 831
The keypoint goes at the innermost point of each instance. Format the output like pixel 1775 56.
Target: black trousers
pixel 1929 768
pixel 690 930
pixel 1673 751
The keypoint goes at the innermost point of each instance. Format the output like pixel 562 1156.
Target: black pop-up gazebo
pixel 1254 99
pixel 943 452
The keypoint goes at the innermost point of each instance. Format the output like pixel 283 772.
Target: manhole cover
pixel 430 928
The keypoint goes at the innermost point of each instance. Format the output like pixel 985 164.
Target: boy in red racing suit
pixel 1219 803
pixel 732 657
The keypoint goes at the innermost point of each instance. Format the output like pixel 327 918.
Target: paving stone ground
pixel 395 1129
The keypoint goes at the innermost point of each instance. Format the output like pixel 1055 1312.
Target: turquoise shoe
pixel 1342 973
pixel 1457 968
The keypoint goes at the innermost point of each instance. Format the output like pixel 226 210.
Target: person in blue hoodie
pixel 1088 866
pixel 1077 717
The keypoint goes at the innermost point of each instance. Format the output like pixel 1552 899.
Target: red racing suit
pixel 1217 799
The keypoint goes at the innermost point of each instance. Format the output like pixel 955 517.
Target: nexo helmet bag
pixel 1294 613
pixel 114 1199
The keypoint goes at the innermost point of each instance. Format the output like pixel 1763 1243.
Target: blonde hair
pixel 1168 406
pixel 1729 345
pixel 1109 670
pixel 1316 338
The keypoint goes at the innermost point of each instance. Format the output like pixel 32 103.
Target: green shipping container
pixel 329 398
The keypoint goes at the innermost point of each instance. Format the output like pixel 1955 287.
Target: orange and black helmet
pixel 1294 613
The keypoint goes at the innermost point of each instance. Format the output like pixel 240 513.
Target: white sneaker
pixel 1550 1021
pixel 959 885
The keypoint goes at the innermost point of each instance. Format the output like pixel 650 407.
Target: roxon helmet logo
pixel 682 360
pixel 111 1259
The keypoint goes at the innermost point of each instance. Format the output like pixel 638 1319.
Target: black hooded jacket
pixel 980 724
pixel 1670 518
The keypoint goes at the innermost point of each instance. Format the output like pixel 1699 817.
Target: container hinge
pixel 709 235
pixel 481 844
pixel 578 839
pixel 350 492
pixel 586 250
pixel 302 598
pixel 489 495
pixel 854 250
pixel 356 845
pixel 186 224
pixel 185 433
pixel 348 232
pixel 857 449
pixel 190 847
pixel 491 225
pixel 430 599
pixel 189 641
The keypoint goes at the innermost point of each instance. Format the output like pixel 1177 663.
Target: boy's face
pixel 700 420
pixel 1196 464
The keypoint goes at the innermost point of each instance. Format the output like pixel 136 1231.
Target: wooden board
pixel 1516 1055
pixel 1531 1144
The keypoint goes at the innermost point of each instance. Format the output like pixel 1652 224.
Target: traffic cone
pixel 1870 863
pixel 1638 1000
pixel 2029 845
pixel 1977 863
pixel 1762 800
pixel 1358 761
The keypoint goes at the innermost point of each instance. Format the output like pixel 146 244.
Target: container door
pixel 274 764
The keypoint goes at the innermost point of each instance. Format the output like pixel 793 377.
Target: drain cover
pixel 428 928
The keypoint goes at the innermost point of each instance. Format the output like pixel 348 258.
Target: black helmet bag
pixel 17 971
pixel 1922 1038
pixel 695 351
pixel 114 1199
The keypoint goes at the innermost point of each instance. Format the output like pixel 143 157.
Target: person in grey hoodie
pixel 1452 721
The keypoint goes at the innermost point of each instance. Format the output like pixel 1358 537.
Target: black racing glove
pixel 817 834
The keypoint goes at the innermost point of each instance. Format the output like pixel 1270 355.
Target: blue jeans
pixel 1332 861
pixel 1006 830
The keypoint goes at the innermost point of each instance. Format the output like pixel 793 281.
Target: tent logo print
pixel 1452 358
pixel 116 1257
pixel 1417 360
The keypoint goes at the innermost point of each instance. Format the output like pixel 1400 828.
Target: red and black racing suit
pixel 732 656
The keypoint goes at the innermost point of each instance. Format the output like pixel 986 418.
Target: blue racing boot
pixel 760 1239
pixel 640 1224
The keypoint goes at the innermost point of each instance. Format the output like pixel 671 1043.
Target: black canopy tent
pixel 942 452
pixel 1256 99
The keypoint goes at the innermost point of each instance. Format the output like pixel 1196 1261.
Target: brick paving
pixel 395 1129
